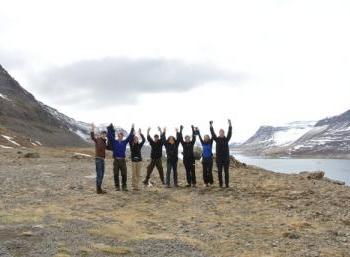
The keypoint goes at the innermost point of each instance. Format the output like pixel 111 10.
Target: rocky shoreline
pixel 48 207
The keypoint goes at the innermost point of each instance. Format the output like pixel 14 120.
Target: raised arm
pixel 131 134
pixel 143 138
pixel 200 137
pixel 213 135
pixel 193 135
pixel 111 135
pixel 229 132
pixel 92 132
pixel 162 137
pixel 149 139
pixel 180 136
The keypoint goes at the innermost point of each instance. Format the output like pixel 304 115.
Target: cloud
pixel 113 81
pixel 12 59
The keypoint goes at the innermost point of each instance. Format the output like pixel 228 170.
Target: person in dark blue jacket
pixel 171 146
pixel 207 158
pixel 222 152
pixel 118 146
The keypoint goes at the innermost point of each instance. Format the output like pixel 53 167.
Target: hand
pixel 148 130
pixel 164 129
pixel 211 123
pixel 177 130
pixel 192 127
pixel 181 127
pixel 160 129
pixel 229 122
pixel 133 125
pixel 139 131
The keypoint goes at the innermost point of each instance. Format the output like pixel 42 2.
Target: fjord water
pixel 334 168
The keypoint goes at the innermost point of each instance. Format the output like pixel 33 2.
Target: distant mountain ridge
pixel 327 137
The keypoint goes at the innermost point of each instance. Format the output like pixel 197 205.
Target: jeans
pixel 208 170
pixel 119 165
pixel 171 165
pixel 190 167
pixel 155 163
pixel 223 164
pixel 100 171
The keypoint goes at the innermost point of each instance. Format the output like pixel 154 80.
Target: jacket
pixel 171 149
pixel 222 147
pixel 100 146
pixel 156 148
pixel 135 149
pixel 118 147
pixel 207 147
pixel 188 146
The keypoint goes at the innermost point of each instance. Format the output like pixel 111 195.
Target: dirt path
pixel 48 207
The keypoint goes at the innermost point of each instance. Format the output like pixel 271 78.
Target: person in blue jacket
pixel 118 146
pixel 207 158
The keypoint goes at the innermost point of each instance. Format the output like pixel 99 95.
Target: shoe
pixel 188 185
pixel 145 182
pixel 117 189
pixel 194 185
pixel 99 190
pixel 124 188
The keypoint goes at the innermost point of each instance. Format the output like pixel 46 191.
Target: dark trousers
pixel 155 163
pixel 190 167
pixel 223 164
pixel 119 165
pixel 208 170
pixel 171 165
pixel 100 171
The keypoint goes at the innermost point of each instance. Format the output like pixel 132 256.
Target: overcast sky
pixel 182 62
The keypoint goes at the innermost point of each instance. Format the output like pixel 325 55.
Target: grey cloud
pixel 113 81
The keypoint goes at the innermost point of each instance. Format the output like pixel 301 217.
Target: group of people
pixel 107 140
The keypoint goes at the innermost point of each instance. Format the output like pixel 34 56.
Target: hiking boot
pixel 188 185
pixel 124 188
pixel 117 189
pixel 145 182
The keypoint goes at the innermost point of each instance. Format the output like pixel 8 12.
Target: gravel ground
pixel 48 207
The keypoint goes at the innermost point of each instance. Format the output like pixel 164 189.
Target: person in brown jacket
pixel 100 155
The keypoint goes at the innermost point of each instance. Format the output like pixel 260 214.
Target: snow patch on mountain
pixel 4 97
pixel 10 139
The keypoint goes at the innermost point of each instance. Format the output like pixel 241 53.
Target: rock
pixel 81 156
pixel 312 175
pixel 31 155
pixel 27 233
pixel 236 163
pixel 291 235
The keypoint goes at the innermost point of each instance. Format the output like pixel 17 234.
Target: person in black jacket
pixel 188 156
pixel 222 152
pixel 136 159
pixel 171 146
pixel 156 156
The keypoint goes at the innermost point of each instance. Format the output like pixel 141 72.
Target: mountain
pixel 32 122
pixel 329 137
pixel 269 138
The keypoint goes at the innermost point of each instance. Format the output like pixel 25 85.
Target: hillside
pixel 21 115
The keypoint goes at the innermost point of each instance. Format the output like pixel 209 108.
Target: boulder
pixel 312 174
pixel 31 155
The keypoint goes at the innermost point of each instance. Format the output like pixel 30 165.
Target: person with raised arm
pixel 207 159
pixel 118 146
pixel 222 152
pixel 171 146
pixel 188 156
pixel 100 155
pixel 156 156
pixel 136 159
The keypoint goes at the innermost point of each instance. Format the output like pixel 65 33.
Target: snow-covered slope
pixel 282 136
pixel 327 137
